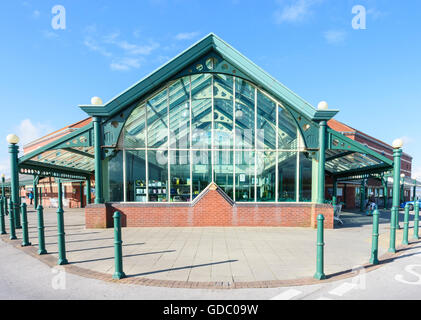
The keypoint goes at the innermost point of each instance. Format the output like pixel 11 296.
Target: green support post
pixel 405 241
pixel 322 163
pixel 335 187
pixel 394 219
pixel 41 236
pixel 362 196
pixel 40 196
pixel 416 220
pixel 414 191
pixel 5 207
pixel 320 275
pixel 99 197
pixel 14 183
pixel 88 191
pixel 375 239
pixel 35 191
pixel 81 194
pixel 118 251
pixel 60 227
pixel 25 233
pixel 12 221
pixel 334 201
pixel 2 221
pixel 386 197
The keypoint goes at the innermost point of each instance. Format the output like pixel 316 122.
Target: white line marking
pixel 287 295
pixel 343 289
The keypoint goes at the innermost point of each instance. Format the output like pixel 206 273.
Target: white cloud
pixel 186 35
pixel 92 45
pixel 130 48
pixel 125 64
pixel 36 14
pixel 49 34
pixel 28 131
pixel 335 36
pixel 407 140
pixel 294 10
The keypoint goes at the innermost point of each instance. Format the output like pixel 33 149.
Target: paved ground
pixel 398 279
pixel 213 254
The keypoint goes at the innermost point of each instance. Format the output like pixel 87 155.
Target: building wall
pixel 213 209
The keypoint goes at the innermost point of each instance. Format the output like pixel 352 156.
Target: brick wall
pixel 213 209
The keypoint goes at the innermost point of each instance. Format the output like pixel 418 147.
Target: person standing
pixel 31 197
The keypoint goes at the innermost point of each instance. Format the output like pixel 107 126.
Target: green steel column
pixel 416 219
pixel 2 221
pixel 335 187
pixel 362 196
pixel 88 191
pixel 25 233
pixel 60 227
pixel 14 184
pixel 81 194
pixel 118 251
pixel 405 241
pixel 12 221
pixel 375 239
pixel 395 207
pixel 322 162
pixel 3 192
pixel 35 187
pixel 386 197
pixel 334 201
pixel 41 236
pixel 40 196
pixel 320 275
pixel 99 197
pixel 414 191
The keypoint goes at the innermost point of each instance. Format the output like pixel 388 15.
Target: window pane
pixel 244 114
pixel 158 175
pixel 180 114
pixel 180 176
pixel 136 176
pixel 202 171
pixel 115 177
pixel 201 111
pixel 287 130
pixel 224 169
pixel 266 175
pixel 244 176
pixel 223 111
pixel 266 122
pixel 306 166
pixel 157 114
pixel 134 129
pixel 287 175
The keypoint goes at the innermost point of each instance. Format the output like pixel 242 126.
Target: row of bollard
pixel 118 251
pixel 374 259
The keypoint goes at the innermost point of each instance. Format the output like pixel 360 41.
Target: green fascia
pixel 355 146
pixel 60 143
pixel 50 168
pixel 210 42
pixel 367 170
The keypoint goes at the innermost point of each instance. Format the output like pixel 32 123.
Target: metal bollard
pixel 25 235
pixel 2 221
pixel 12 221
pixel 405 241
pixel 61 238
pixel 416 220
pixel 118 251
pixel 320 275
pixel 41 236
pixel 375 240
pixel 392 244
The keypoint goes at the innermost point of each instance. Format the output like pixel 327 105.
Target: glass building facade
pixel 208 128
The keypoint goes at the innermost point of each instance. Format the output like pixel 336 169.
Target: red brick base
pixel 211 209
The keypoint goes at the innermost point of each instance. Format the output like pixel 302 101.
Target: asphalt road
pixel 24 277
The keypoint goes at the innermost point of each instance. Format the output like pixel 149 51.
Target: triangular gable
pixel 236 64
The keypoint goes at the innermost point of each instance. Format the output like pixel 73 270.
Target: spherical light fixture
pixel 397 144
pixel 239 113
pixel 96 101
pixel 403 175
pixel 323 105
pixel 12 139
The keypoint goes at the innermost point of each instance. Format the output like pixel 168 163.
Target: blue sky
pixel 373 76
